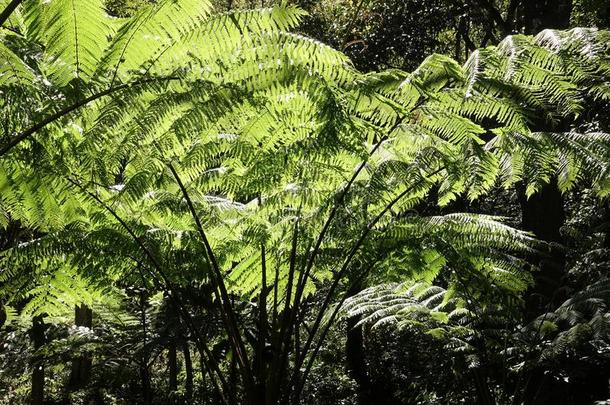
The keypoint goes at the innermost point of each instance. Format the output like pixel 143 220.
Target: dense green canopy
pixel 181 148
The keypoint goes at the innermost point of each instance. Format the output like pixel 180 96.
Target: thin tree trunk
pixel 356 360
pixel 484 394
pixel 258 394
pixel 543 214
pixel 541 14
pixel 81 366
pixel 202 370
pixel 2 315
pixel 188 367
pixel 233 371
pixel 172 363
pixel 145 381
pixel 606 225
pixel 144 371
pixel 355 355
pixel 38 339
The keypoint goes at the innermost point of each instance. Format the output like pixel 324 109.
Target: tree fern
pixel 236 154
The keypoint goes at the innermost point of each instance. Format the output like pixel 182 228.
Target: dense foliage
pixel 203 206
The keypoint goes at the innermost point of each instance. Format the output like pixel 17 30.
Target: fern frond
pixel 75 38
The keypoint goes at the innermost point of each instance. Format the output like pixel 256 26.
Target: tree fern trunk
pixel 233 371
pixel 543 214
pixel 172 363
pixel 188 367
pixel 2 315
pixel 145 381
pixel 606 225
pixel 144 371
pixel 38 339
pixel 81 366
pixel 256 397
pixel 355 355
pixel 540 14
pixel 202 388
pixel 369 390
pixel 484 393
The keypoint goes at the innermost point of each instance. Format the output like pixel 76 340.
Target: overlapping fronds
pixel 519 99
pixel 581 320
pixel 409 304
pixel 34 200
pixel 153 31
pixel 209 139
pixel 446 314
pixel 473 247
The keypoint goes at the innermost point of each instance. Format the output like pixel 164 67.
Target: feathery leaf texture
pixel 263 126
